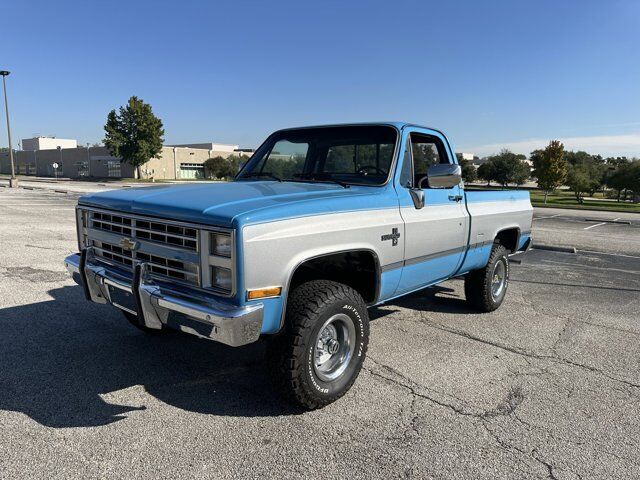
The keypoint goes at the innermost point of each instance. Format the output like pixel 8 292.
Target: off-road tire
pixel 478 283
pixel 133 320
pixel 292 352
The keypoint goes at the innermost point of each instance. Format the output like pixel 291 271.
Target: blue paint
pixel 477 257
pixel 389 281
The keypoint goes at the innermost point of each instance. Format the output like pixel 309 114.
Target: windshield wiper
pixel 322 178
pixel 262 174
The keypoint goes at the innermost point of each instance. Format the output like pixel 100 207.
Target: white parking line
pixel 596 225
pixel 543 218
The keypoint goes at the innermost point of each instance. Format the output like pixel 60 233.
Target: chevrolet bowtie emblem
pixel 393 236
pixel 128 244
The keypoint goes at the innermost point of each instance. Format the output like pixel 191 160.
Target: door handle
pixel 455 198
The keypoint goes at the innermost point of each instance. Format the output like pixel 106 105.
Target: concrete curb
pixel 599 220
pixel 554 248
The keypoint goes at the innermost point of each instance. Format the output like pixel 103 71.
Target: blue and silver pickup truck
pixel 320 224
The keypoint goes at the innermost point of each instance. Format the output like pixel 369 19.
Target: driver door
pixel 435 235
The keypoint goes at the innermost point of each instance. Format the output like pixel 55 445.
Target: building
pixel 174 163
pixel 218 147
pixel 47 143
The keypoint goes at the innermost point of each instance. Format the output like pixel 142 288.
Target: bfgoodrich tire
pixel 486 288
pixel 318 356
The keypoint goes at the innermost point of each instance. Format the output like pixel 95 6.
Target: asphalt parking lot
pixel 548 386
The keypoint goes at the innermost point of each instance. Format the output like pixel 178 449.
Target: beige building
pixel 47 143
pixel 174 163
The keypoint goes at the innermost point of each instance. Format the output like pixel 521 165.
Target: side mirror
pixel 442 175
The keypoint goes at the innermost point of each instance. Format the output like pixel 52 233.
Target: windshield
pixel 346 155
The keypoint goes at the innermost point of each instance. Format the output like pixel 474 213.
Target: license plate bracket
pixel 123 300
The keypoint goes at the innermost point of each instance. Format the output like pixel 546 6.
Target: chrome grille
pixel 144 229
pixel 158 265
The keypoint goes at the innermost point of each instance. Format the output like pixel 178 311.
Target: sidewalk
pixel 66 185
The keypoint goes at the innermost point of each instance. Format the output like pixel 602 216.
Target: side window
pixel 426 151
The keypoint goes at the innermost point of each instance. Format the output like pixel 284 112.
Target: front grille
pixel 170 244
pixel 162 266
pixel 150 230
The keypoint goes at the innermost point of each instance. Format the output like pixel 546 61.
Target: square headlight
pixel 221 244
pixel 221 278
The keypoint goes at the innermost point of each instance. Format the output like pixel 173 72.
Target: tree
pixel 549 167
pixel 485 172
pixel 592 166
pixel 224 168
pixel 506 167
pixel 468 170
pixel 134 133
pixel 579 181
pixel 626 178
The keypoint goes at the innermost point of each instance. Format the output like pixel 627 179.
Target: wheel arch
pixel 369 293
pixel 509 238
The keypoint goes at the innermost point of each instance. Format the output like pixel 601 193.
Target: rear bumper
pixel 157 306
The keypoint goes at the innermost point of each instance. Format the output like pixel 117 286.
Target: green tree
pixel 593 166
pixel 508 167
pixel 485 172
pixel 626 179
pixel 469 173
pixel 579 181
pixel 134 133
pixel 549 167
pixel 224 168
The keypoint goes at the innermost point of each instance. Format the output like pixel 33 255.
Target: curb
pixel 554 248
pixel 621 222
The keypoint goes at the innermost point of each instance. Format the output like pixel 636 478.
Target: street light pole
pixel 13 181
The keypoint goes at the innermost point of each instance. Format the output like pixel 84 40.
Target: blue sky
pixel 491 74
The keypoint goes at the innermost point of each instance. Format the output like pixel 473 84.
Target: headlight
pixel 221 244
pixel 221 278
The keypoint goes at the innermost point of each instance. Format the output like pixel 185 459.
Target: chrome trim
pixel 424 258
pixel 159 306
pixel 202 250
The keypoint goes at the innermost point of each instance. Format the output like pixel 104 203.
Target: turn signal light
pixel 263 293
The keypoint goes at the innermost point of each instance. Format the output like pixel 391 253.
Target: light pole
pixel 13 181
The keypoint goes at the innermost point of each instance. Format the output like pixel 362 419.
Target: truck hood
pixel 222 203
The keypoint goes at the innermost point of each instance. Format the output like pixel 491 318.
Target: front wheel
pixel 319 354
pixel 486 288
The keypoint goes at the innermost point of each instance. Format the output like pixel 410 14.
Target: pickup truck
pixel 319 224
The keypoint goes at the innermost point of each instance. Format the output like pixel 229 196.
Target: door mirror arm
pixel 417 195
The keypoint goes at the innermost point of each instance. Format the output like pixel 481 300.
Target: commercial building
pixel 47 143
pixel 174 163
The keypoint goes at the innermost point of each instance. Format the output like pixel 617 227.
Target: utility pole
pixel 13 181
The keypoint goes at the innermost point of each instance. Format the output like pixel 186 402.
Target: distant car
pixel 320 224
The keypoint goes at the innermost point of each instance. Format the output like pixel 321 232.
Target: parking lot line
pixel 544 218
pixel 596 225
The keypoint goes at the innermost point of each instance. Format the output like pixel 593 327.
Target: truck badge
pixel 393 236
pixel 128 244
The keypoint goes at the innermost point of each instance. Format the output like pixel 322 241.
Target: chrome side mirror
pixel 443 175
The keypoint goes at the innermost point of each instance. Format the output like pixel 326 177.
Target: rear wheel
pixel 486 288
pixel 318 356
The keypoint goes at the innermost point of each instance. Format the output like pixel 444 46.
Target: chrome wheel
pixel 499 279
pixel 334 347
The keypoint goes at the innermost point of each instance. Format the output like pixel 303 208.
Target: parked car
pixel 319 225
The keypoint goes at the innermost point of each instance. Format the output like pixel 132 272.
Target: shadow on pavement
pixel 437 298
pixel 59 358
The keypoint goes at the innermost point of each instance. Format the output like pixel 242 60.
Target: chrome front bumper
pixel 157 307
